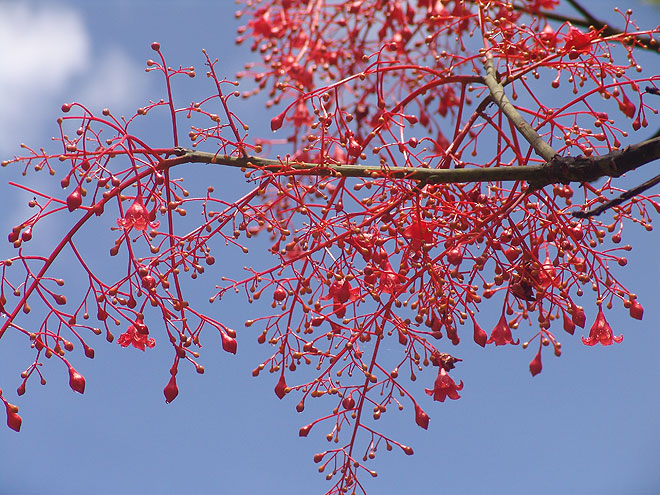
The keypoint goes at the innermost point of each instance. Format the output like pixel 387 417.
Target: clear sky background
pixel 588 424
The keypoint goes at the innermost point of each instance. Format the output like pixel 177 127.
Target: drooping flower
pixel 501 334
pixel 390 282
pixel 137 216
pixel 137 335
pixel 601 332
pixel 444 387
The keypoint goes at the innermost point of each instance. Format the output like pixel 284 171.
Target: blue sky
pixel 588 424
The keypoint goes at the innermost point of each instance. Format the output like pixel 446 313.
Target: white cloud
pixel 40 50
pixel 47 57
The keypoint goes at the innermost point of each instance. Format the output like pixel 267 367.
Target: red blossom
pixel 576 42
pixel 301 115
pixel 601 332
pixel 136 216
pixel 341 292
pixel 418 233
pixel 547 275
pixel 444 387
pixel 501 334
pixel 137 335
pixel 389 279
pixel 539 5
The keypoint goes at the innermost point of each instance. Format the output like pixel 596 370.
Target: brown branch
pixel 558 170
pixel 542 148
pixel 619 199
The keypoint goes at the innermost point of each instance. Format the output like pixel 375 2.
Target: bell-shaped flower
pixel 501 334
pixel 137 216
pixel 444 387
pixel 601 332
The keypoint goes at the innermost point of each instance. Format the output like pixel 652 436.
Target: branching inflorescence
pixel 461 112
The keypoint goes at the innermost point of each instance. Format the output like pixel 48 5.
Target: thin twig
pixel 618 200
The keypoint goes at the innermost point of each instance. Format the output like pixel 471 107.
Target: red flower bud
pixel 14 421
pixel 578 316
pixel 480 337
pixel 535 365
pixel 280 388
pixel 279 294
pixel 421 418
pixel 569 326
pixel 348 402
pixel 171 390
pixel 276 122
pixel 455 256
pixel 76 381
pixel 636 310
pixel 228 344
pixel 74 200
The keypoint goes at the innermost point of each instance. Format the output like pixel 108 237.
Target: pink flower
pixel 137 216
pixel 601 332
pixel 444 387
pixel 501 334
pixel 137 335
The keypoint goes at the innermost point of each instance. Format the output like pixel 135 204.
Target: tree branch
pixel 542 148
pixel 557 170
pixel 630 193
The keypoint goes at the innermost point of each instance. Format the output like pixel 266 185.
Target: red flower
pixel 577 42
pixel 137 335
pixel 389 279
pixel 418 233
pixel 444 387
pixel 340 293
pixel 137 216
pixel 501 334
pixel 301 115
pixel 601 332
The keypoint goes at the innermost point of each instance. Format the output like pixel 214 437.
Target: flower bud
pixel 171 390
